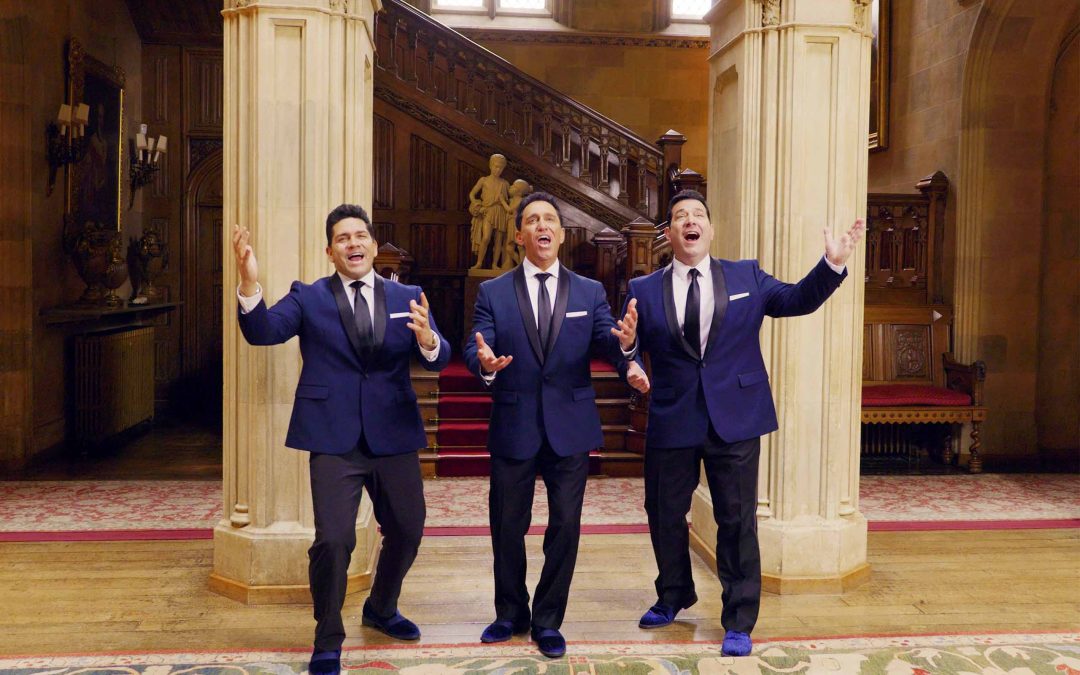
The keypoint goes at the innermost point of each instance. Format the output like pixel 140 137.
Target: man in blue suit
pixel 699 320
pixel 355 411
pixel 545 321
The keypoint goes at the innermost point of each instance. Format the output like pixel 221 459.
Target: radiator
pixel 114 382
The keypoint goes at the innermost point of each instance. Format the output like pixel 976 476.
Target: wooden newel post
pixel 607 242
pixel 671 145
pixel 640 235
pixel 393 263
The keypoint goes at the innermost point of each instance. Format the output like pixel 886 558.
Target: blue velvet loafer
pixel 325 663
pixel 736 644
pixel 501 631
pixel 397 626
pixel 550 642
pixel 658 616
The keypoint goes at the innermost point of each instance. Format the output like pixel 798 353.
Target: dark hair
pixel 341 213
pixel 687 194
pixel 536 197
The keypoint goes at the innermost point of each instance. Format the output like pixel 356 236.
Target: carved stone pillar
pixel 788 155
pixel 297 142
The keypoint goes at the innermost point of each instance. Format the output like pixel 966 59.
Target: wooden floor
pixel 91 597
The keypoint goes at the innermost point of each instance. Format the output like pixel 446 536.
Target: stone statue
pixel 511 252
pixel 488 202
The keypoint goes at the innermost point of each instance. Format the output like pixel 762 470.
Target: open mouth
pixel 356 257
pixel 692 236
pixel 544 239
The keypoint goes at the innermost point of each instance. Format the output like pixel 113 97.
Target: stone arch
pixel 1004 112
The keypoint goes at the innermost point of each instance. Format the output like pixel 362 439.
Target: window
pixel 495 7
pixel 689 10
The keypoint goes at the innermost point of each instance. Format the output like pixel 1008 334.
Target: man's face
pixel 689 231
pixel 541 233
pixel 497 166
pixel 352 249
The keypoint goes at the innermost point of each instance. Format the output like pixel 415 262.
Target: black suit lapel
pixel 720 302
pixel 525 307
pixel 348 319
pixel 379 324
pixel 673 318
pixel 562 296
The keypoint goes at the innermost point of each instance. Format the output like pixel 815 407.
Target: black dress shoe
pixel 501 631
pixel 325 663
pixel 550 642
pixel 397 626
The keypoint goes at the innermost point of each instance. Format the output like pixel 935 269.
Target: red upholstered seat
pixel 912 394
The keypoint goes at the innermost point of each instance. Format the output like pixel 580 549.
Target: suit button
pixel 702 365
pixel 547 378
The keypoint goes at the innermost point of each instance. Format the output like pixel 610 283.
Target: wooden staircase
pixel 443 105
pixel 472 460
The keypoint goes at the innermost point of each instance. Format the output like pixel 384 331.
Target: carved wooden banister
pixel 578 154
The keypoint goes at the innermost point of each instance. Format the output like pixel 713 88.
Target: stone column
pixel 788 156
pixel 297 142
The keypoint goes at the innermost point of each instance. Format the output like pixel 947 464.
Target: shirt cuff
pixel 839 269
pixel 431 354
pixel 488 378
pixel 249 302
pixel 629 355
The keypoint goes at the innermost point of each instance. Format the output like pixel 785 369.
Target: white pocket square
pixel 738 296
pixel 398 315
pixel 574 315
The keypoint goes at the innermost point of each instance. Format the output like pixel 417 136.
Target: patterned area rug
pixel 1057 653
pixel 190 509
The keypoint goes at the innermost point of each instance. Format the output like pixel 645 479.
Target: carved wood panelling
pixel 204 80
pixel 427 174
pixel 467 177
pixel 432 239
pixel 910 347
pixel 383 160
pixel 160 114
pixel 384 234
pixel 869 350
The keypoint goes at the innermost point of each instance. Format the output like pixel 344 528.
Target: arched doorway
pixel 203 249
pixel 1001 247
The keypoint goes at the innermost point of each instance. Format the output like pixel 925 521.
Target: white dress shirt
pixel 249 302
pixel 680 286
pixel 532 285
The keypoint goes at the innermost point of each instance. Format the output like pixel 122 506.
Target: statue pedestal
pixel 472 288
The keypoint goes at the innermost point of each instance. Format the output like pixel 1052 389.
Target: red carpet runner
pixel 463 414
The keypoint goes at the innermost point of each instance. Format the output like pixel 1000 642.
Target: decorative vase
pixel 149 255
pixel 90 249
pixel 116 272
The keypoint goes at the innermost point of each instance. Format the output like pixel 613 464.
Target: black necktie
pixel 692 317
pixel 362 315
pixel 543 311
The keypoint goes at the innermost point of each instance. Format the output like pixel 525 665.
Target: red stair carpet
pixel 463 414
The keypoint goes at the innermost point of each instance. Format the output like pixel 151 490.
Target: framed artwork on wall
pixel 881 27
pixel 94 184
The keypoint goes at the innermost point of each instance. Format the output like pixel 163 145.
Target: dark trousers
pixel 510 503
pixel 731 469
pixel 396 490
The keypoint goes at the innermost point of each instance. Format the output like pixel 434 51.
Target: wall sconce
pixel 65 139
pixel 144 163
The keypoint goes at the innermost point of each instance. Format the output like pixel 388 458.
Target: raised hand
pixel 489 363
pixel 627 330
pixel 420 323
pixel 245 261
pixel 637 378
pixel 837 251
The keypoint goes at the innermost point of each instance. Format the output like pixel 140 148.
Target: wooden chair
pixel 909 376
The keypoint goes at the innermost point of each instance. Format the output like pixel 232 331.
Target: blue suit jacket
pixel 728 386
pixel 340 396
pixel 542 394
